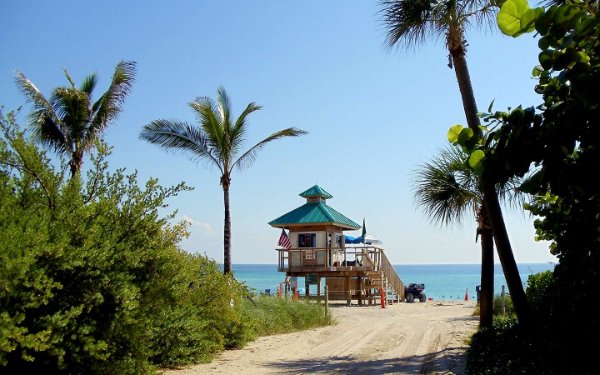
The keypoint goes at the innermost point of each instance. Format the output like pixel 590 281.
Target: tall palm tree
pixel 448 190
pixel 411 22
pixel 70 122
pixel 219 140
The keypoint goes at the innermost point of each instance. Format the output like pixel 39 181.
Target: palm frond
pixel 226 147
pixel 47 132
pixel 182 136
pixel 88 84
pixel 34 96
pixel 68 77
pixel 108 106
pixel 483 12
pixel 207 113
pixel 408 22
pixel 224 107
pixel 510 193
pixel 45 123
pixel 447 188
pixel 238 133
pixel 73 107
pixel 249 156
pixel 444 188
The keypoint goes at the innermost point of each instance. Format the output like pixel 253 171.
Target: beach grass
pixel 270 315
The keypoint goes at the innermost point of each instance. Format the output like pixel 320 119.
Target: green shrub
pixel 508 305
pixel 507 349
pixel 91 279
pixel 541 292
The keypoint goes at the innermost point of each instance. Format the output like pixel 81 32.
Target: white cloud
pixel 205 228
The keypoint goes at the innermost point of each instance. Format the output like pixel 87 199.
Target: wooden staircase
pixel 383 277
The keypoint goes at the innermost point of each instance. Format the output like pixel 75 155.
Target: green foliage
pixel 454 132
pixel 446 188
pixel 562 143
pixel 558 145
pixel 503 349
pixel 516 17
pixel 69 122
pixel 91 279
pixel 541 290
pixel 471 144
pixel 476 159
pixel 509 309
pixel 507 349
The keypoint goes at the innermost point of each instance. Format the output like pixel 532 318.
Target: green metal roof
pixel 316 191
pixel 314 213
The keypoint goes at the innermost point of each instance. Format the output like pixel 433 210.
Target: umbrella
pixel 371 239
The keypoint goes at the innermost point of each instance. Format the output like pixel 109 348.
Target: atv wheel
pixel 422 297
pixel 410 297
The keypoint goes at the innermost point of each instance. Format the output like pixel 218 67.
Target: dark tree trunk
pixel 486 305
pixel 505 253
pixel 507 259
pixel 466 90
pixel 75 163
pixel 225 182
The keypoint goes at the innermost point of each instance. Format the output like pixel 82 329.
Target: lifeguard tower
pixel 318 251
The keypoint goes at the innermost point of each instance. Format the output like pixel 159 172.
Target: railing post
pixel 326 300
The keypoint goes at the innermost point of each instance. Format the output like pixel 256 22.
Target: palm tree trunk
pixel 466 90
pixel 505 253
pixel 75 163
pixel 486 305
pixel 225 182
pixel 490 197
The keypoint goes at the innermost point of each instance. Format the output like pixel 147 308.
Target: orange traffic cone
pixel 296 295
pixel 467 295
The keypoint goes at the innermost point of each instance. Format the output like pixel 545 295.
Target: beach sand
pixel 403 338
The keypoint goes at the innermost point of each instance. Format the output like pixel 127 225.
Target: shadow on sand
pixel 447 361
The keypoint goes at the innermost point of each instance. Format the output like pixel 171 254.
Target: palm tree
pixel 448 190
pixel 410 22
pixel 219 140
pixel 70 122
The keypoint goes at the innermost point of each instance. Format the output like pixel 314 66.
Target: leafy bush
pixel 542 292
pixel 501 349
pixel 507 349
pixel 91 279
pixel 508 305
pixel 561 137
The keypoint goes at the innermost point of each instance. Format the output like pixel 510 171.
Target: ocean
pixel 442 281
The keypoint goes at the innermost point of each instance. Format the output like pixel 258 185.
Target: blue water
pixel 442 281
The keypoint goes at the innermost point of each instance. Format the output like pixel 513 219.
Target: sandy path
pixel 417 338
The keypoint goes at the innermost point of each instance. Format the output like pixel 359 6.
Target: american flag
pixel 284 240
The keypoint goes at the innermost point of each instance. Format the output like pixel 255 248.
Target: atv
pixel 413 291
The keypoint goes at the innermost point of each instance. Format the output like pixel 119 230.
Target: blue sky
pixel 373 114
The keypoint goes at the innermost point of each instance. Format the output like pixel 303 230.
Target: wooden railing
pixel 323 259
pixel 392 277
pixel 366 258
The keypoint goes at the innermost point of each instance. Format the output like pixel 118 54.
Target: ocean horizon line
pixel 405 264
